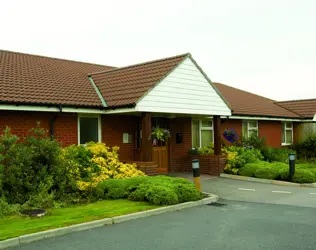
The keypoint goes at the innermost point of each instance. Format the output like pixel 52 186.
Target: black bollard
pixel 291 166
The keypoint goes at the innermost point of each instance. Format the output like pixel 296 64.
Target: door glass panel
pixel 207 137
pixel 88 129
pixel 244 129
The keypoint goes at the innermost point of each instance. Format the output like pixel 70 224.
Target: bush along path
pixel 37 173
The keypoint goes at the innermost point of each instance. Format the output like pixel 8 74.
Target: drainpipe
pixel 52 121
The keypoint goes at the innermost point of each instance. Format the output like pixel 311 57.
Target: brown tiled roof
pixel 306 108
pixel 245 103
pixel 34 79
pixel 124 86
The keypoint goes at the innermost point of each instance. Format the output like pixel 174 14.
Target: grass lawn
pixel 13 226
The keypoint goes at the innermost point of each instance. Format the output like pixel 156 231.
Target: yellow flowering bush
pixel 106 165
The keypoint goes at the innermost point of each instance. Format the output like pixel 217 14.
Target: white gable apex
pixel 184 91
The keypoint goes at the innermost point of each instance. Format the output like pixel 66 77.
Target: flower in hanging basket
pixel 160 134
pixel 230 135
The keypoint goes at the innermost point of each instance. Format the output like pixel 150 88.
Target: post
pixel 147 146
pixel 217 135
pixel 291 166
pixel 196 173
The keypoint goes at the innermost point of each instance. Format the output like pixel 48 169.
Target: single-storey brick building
pixel 80 102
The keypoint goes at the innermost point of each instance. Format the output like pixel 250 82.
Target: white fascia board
pixel 261 118
pixel 50 109
pixel 314 119
pixel 120 111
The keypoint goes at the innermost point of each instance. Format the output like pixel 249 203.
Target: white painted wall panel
pixel 184 91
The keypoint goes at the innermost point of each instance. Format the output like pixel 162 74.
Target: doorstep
pixel 267 181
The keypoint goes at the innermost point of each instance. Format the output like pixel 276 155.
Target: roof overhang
pixel 262 118
pixel 314 119
pixel 41 108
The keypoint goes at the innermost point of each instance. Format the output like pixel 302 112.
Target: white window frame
pixel 99 125
pixel 203 128
pixel 284 129
pixel 251 128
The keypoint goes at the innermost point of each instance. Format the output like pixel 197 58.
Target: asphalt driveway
pixel 235 225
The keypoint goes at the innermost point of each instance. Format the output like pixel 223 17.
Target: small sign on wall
pixel 127 138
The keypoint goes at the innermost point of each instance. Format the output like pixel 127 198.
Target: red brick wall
pixel 178 152
pixel 113 127
pixel 21 122
pixel 272 131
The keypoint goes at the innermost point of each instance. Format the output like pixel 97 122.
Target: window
pixel 202 133
pixel 89 129
pixel 249 128
pixel 287 133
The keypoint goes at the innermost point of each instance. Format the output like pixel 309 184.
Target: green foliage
pixel 241 156
pixel 209 150
pixel 8 209
pixel 276 154
pixel 158 190
pixel 303 176
pixel 160 134
pixel 161 195
pixel 42 198
pixel 29 163
pixel 307 148
pixel 267 173
pixel 253 141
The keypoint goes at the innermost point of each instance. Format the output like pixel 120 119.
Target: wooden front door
pixel 160 156
pixel 160 153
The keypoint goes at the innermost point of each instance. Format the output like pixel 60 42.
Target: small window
pixel 202 133
pixel 249 128
pixel 89 129
pixel 287 133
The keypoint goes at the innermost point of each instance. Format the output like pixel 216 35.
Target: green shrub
pixel 161 195
pixel 276 154
pixel 307 148
pixel 250 168
pixel 241 156
pixel 139 194
pixel 142 188
pixel 253 141
pixel 267 173
pixel 209 150
pixel 8 209
pixel 303 176
pixel 187 192
pixel 284 174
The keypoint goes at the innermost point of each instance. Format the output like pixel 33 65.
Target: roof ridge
pixel 298 100
pixel 139 64
pixel 54 58
pixel 244 91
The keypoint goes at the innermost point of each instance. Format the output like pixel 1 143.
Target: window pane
pixel 207 137
pixel 195 134
pixel 207 123
pixel 244 129
pixel 253 132
pixel 252 124
pixel 289 138
pixel 283 133
pixel 288 125
pixel 88 130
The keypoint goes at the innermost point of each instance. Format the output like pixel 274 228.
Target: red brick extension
pixel 113 127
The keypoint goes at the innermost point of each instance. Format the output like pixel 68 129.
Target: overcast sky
pixel 265 47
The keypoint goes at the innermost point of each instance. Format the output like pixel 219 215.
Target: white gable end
pixel 184 91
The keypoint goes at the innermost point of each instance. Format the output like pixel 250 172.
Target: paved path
pixel 260 192
pixel 236 226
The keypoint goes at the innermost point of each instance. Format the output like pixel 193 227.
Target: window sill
pixel 286 144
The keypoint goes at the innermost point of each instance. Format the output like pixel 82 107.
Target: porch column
pixel 147 146
pixel 217 135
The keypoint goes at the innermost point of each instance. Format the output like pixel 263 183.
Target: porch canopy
pixel 170 87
